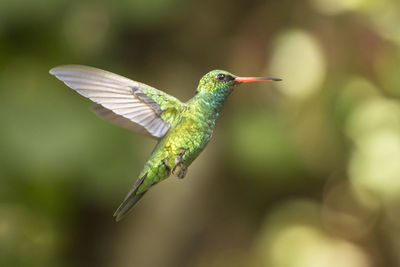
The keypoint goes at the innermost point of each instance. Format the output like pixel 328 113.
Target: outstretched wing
pixel 124 102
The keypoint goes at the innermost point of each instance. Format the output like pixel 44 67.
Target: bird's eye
pixel 221 76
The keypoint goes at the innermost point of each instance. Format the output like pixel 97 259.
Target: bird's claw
pixel 179 170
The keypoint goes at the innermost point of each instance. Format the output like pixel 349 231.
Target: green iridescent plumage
pixel 182 129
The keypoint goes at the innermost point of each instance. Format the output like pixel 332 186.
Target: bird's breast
pixel 192 134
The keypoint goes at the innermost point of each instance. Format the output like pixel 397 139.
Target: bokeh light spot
pixel 386 20
pixel 292 237
pixel 333 7
pixel 374 128
pixel 299 60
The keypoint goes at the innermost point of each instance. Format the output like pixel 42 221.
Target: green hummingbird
pixel 182 129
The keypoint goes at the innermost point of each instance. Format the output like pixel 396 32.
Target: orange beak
pixel 255 79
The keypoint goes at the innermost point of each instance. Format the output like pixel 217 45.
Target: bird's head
pixel 220 81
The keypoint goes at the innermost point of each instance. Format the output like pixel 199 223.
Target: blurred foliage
pixel 301 173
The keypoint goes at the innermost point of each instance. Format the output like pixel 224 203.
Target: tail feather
pixel 130 200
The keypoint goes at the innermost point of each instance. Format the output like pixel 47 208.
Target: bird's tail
pixel 131 199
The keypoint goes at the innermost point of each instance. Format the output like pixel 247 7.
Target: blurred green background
pixel 302 173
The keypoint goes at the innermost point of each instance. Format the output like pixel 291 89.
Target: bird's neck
pixel 209 103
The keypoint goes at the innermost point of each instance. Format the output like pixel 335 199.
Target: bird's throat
pixel 210 103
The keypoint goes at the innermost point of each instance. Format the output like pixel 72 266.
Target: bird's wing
pixel 124 102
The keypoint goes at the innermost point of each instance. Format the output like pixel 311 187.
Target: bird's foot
pixel 179 170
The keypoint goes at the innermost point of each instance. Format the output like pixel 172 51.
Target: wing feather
pixel 124 102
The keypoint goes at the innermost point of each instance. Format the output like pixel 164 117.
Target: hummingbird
pixel 182 129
